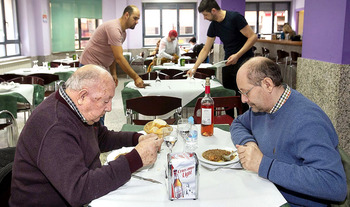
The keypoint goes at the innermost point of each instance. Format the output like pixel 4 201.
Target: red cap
pixel 173 33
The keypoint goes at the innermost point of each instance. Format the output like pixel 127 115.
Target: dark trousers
pixel 229 74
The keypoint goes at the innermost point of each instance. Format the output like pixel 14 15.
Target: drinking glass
pixel 45 65
pixel 35 64
pixel 170 138
pixel 183 128
pixel 157 79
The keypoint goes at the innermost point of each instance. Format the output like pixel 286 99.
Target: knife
pixel 147 179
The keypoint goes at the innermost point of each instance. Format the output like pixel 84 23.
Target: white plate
pixel 202 159
pixel 117 152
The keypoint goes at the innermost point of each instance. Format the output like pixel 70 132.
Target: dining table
pixel 187 89
pixel 218 185
pixel 63 72
pixel 187 66
pixel 21 93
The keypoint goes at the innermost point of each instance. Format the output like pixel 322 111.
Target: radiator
pixel 15 64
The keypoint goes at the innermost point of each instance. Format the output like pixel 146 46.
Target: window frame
pixel 173 5
pixel 6 41
pixel 79 32
pixel 257 6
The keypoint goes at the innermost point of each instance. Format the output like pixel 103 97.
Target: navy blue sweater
pixel 300 148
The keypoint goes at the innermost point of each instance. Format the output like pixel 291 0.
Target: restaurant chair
pixel 2 80
pixel 153 75
pixel 8 122
pixel 200 75
pixel 50 81
pixel 153 106
pixel 170 72
pixel 221 105
pixel 282 60
pixel 27 107
pixel 256 53
pixel 7 156
pixel 292 69
pixel 7 77
pixel 190 54
pixel 265 52
pixel 208 71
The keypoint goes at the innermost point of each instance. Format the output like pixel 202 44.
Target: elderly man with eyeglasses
pixel 286 138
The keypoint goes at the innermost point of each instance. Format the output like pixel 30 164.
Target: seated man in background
pixel 169 49
pixel 286 138
pixel 57 157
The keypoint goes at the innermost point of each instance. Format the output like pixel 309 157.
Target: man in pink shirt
pixel 105 46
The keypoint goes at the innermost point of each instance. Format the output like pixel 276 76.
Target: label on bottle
pixel 206 116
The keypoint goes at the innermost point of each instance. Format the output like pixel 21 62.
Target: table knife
pixel 147 179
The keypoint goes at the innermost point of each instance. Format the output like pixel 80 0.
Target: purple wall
pixel 231 5
pixel 326 29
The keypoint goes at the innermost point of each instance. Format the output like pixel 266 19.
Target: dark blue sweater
pixel 300 150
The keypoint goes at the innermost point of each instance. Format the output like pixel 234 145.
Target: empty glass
pixel 45 65
pixel 170 138
pixel 157 79
pixel 35 64
pixel 183 128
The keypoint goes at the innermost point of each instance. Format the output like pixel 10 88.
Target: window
pixel 160 18
pixel 83 30
pixel 9 35
pixel 268 17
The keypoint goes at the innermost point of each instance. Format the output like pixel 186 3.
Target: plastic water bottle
pixel 192 138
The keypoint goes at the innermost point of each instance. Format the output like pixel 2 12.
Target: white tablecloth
pixel 29 71
pixel 26 90
pixel 223 187
pixel 183 68
pixel 186 89
pixel 66 60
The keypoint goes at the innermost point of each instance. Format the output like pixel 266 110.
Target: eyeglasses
pixel 246 93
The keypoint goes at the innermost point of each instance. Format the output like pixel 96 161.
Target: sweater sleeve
pixel 70 162
pixel 318 171
pixel 241 130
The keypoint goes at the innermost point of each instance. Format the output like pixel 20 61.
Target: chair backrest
pixel 28 80
pixel 208 71
pixel 7 77
pixel 7 156
pixel 153 106
pixel 48 78
pixel 153 75
pixel 265 51
pixel 2 80
pixel 170 72
pixel 201 75
pixel 221 104
pixel 190 54
pixel 281 54
pixel 294 55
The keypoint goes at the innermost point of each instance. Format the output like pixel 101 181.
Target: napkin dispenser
pixel 182 176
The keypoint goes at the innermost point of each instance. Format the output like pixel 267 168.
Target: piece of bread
pixel 159 123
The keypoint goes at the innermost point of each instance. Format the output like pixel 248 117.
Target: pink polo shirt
pixel 98 50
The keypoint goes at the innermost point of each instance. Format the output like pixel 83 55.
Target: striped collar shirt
pixel 69 101
pixel 282 99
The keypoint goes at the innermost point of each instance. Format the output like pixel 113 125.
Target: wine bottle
pixel 207 108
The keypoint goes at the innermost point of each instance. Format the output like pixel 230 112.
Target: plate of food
pixel 119 152
pixel 158 127
pixel 218 155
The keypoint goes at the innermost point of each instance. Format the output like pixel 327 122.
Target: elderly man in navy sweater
pixel 57 157
pixel 286 138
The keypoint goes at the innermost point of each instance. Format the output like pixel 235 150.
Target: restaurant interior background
pixel 45 30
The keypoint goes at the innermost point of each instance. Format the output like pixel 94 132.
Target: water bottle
pixel 192 138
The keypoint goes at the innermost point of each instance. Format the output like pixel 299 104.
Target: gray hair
pixel 85 76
